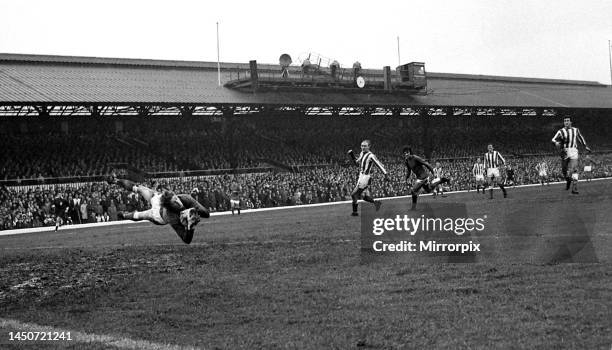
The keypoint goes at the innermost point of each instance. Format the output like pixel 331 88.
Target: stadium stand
pixel 66 122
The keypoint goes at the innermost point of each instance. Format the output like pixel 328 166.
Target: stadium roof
pixel 39 79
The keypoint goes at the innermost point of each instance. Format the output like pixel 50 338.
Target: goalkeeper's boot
pixel 354 213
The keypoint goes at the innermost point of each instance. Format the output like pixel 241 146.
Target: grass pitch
pixel 294 279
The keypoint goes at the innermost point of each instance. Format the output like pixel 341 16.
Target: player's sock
pixel 503 190
pixel 126 215
pixel 568 182
pixel 355 207
pixel 415 197
pixel 238 211
pixel 232 211
pixel 491 192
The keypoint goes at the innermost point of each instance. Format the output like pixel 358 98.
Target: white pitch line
pixel 85 338
pixel 246 211
pixel 197 244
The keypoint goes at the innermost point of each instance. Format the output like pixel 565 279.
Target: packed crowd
pixel 88 147
pixel 33 206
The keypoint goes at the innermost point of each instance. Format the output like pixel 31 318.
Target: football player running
pixel 181 211
pixel 567 140
pixel 493 161
pixel 366 162
pixel 418 166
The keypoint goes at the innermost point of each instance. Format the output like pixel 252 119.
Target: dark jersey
pixel 174 219
pixel 60 205
pixel 418 166
pixel 236 189
pixel 510 174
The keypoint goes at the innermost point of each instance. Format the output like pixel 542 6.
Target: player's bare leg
pixel 135 216
pixel 414 191
pixel 434 186
pixel 503 188
pixel 58 222
pixel 572 166
pixel 168 197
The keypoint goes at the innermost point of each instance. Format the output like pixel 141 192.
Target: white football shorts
pixel 153 214
pixel 493 172
pixel 571 153
pixel 364 181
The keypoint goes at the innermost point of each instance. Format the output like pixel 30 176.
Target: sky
pixel 558 39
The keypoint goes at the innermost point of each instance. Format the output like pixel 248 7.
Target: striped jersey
pixel 493 159
pixel 478 169
pixel 437 172
pixel 569 137
pixel 366 161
